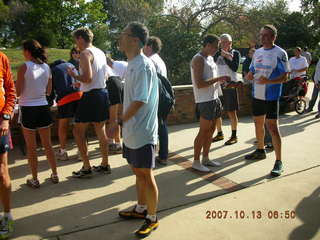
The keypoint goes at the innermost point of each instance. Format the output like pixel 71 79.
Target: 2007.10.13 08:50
pixel 223 214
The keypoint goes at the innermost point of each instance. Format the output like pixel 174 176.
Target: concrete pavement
pixel 87 208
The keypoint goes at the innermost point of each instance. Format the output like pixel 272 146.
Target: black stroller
pixel 294 92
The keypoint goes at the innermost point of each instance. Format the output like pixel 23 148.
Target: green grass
pixel 16 57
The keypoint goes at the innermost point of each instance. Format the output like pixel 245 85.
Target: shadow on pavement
pixel 309 212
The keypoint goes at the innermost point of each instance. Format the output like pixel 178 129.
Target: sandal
pixel 54 178
pixel 33 183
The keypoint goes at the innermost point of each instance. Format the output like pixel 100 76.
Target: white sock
pixel 141 208
pixel 152 218
pixel 205 158
pixel 8 215
pixel 62 150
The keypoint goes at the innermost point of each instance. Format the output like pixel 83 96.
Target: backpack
pixel 166 97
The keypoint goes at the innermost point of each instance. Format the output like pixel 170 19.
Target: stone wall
pixel 184 111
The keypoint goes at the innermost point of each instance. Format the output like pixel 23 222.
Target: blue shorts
pixel 67 110
pixel 143 157
pixel 93 106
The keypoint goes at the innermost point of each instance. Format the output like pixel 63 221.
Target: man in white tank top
pixel 94 104
pixel 206 86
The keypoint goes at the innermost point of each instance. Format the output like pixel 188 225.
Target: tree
pixel 294 31
pixel 51 22
pixel 179 46
pixel 311 9
pixel 121 12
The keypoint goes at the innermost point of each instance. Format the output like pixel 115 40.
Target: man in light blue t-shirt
pixel 140 125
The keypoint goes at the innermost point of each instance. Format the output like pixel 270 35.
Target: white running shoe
pixel 211 163
pixel 198 166
pixel 62 156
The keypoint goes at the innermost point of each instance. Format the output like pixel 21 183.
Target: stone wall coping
pixel 182 87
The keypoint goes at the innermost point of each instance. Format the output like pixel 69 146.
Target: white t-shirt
pixel 119 68
pixel 296 64
pixel 209 71
pixel 159 64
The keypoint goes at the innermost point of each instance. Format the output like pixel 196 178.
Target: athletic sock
pixel 220 133
pixel 62 151
pixel 234 134
pixel 152 218
pixel 261 150
pixel 141 208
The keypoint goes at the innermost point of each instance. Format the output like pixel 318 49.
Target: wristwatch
pixel 6 117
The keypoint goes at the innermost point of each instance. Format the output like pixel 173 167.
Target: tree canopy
pixel 179 24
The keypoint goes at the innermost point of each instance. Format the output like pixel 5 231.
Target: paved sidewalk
pixel 87 208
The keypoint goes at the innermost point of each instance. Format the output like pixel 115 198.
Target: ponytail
pixel 36 50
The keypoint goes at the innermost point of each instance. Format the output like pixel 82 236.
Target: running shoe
pixel 54 178
pixel 147 228
pixel 162 161
pixel 269 147
pixel 33 183
pixel 211 163
pixel 133 214
pixel 6 228
pixel 277 169
pixel 199 167
pixel 115 148
pixel 62 156
pixel 82 173
pixel 256 155
pixel 218 138
pixel 102 169
pixel 231 141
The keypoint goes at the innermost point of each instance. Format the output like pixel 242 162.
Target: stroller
pixel 294 92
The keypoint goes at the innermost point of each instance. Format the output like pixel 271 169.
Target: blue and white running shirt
pixel 270 63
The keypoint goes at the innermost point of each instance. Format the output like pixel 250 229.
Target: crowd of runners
pixel 122 100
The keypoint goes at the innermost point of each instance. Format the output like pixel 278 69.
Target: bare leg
pixel 80 137
pixel 204 138
pixel 5 183
pixel 101 134
pixel 234 119
pixel 140 187
pixel 150 188
pixel 45 136
pixel 259 126
pixel 208 141
pixel 219 124
pixel 31 143
pixel 63 132
pixel 273 127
